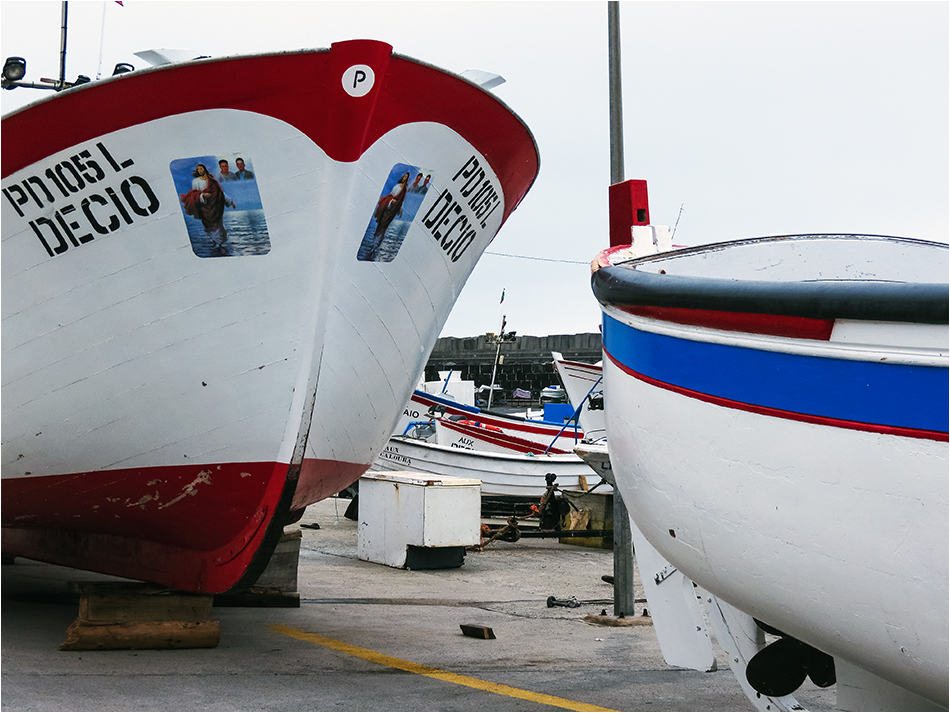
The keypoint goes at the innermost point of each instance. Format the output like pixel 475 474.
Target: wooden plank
pixel 128 602
pixel 142 635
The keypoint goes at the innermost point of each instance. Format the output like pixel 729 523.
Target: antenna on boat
pixel 678 215
pixel 498 339
pixel 14 68
pixel 62 46
pixel 102 40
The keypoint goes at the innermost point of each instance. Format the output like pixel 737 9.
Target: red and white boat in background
pixel 777 421
pixel 544 434
pixel 440 432
pixel 190 360
pixel 476 436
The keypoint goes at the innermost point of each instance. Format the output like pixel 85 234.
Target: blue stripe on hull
pixel 896 395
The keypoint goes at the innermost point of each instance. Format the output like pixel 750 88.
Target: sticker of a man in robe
pixel 393 213
pixel 388 207
pixel 206 202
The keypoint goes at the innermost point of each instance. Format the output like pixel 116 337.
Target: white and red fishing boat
pixel 777 417
pixel 510 475
pixel 510 454
pixel 476 436
pixel 543 433
pixel 190 358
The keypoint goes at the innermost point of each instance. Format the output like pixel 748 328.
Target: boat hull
pixel 543 433
pixel 584 386
pixel 501 474
pixel 171 398
pixel 801 477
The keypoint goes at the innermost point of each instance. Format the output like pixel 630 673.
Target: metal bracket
pixel 664 573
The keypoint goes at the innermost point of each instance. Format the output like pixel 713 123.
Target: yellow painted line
pixel 411 667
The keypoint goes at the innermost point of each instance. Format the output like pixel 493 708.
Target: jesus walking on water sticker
pixel 402 194
pixel 222 207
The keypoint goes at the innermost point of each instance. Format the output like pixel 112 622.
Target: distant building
pixel 526 363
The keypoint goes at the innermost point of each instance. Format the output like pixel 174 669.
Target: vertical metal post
pixel 623 538
pixel 491 385
pixel 62 48
pixel 616 105
pixel 498 340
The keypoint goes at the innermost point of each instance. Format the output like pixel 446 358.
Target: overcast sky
pixel 755 118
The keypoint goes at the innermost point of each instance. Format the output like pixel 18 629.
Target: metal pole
pixel 616 105
pixel 491 386
pixel 62 49
pixel 623 538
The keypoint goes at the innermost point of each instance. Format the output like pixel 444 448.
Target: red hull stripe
pixel 523 427
pixel 772 324
pixel 197 528
pixel 302 89
pixel 779 413
pixel 518 445
pixel 321 479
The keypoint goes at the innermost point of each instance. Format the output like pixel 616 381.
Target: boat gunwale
pixel 867 300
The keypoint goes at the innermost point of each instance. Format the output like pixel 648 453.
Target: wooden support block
pixel 599 507
pixel 136 615
pixel 277 585
pixel 281 570
pixel 142 635
pixel 259 597
pixel 477 632
pixel 127 602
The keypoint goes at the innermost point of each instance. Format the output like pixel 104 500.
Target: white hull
pixel 782 473
pixel 852 570
pixel 501 474
pixel 170 397
pixel 585 386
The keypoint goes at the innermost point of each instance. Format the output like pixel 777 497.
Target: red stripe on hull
pixel 302 89
pixel 523 427
pixel 321 479
pixel 775 325
pixel 512 443
pixel 779 413
pixel 196 528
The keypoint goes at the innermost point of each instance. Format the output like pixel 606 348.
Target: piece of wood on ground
pixel 477 631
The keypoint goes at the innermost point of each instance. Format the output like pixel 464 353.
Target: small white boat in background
pixel 777 412
pixel 190 360
pixel 511 455
pixel 518 476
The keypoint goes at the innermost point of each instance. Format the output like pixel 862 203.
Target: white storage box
pixel 417 520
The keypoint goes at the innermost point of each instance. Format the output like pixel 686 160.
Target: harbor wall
pixel 525 363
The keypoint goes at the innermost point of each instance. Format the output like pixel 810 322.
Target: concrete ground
pixel 371 638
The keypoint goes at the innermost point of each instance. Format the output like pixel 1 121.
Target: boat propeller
pixel 782 666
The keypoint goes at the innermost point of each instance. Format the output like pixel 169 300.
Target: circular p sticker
pixel 358 80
